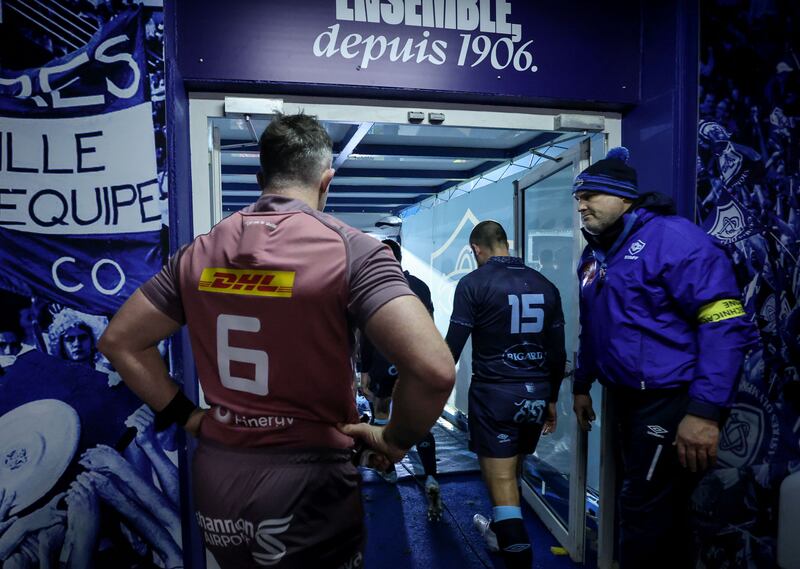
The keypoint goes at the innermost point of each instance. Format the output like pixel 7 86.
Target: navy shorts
pixel 290 510
pixel 382 384
pixel 505 419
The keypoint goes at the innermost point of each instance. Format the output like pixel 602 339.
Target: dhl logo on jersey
pixel 249 282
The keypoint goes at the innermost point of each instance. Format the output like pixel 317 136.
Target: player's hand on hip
pixel 550 419
pixel 192 426
pixel 373 437
pixel 697 441
pixel 582 405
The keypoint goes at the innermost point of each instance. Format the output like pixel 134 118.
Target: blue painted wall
pixel 660 131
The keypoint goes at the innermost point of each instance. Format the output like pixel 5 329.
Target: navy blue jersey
pixel 372 361
pixel 517 325
pixel 419 288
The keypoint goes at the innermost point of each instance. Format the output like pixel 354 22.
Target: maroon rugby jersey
pixel 271 295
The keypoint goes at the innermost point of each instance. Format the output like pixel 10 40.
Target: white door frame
pixel 572 535
pixel 207 210
pixel 206 197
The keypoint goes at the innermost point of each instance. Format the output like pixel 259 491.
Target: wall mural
pixel 84 478
pixel 749 198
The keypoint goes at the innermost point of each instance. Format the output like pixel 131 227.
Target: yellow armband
pixel 720 310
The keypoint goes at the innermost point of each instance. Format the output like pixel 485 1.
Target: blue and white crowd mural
pixel 748 198
pixel 84 478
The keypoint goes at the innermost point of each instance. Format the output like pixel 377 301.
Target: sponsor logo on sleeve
pixel 248 282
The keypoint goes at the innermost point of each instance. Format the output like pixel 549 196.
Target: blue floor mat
pixel 399 534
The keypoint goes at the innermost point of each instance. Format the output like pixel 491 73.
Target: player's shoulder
pixel 539 277
pixel 345 231
pixel 472 278
pixel 356 241
pixel 540 282
pixel 676 225
pixel 225 233
pixel 677 236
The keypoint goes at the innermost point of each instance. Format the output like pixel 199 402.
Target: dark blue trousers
pixel 653 500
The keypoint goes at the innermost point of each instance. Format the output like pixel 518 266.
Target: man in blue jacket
pixel 663 328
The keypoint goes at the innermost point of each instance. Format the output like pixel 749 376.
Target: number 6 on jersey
pixel 226 354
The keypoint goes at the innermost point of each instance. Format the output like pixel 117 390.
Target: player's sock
pixel 502 513
pixel 426 449
pixel 515 546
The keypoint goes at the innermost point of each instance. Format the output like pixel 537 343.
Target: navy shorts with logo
pixel 279 507
pixel 505 419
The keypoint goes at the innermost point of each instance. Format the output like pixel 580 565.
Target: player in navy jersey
pixel 514 316
pixel 378 378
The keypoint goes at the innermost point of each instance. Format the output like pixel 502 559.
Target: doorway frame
pixel 571 535
pixel 205 204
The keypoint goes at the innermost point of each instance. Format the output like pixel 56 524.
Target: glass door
pixel 548 231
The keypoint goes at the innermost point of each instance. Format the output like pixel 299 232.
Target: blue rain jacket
pixel 662 311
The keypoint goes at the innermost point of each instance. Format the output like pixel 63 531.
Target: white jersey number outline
pixel 226 354
pixel 527 311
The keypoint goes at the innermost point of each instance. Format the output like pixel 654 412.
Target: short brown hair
pixel 294 149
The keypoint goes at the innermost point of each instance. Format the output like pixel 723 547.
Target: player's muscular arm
pixel 404 332
pixel 130 343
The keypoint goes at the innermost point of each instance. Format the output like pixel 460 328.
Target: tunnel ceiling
pixel 381 168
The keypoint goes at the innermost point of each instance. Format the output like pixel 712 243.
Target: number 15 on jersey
pixel 522 308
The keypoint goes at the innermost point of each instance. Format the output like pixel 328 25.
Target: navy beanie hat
pixel 611 175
